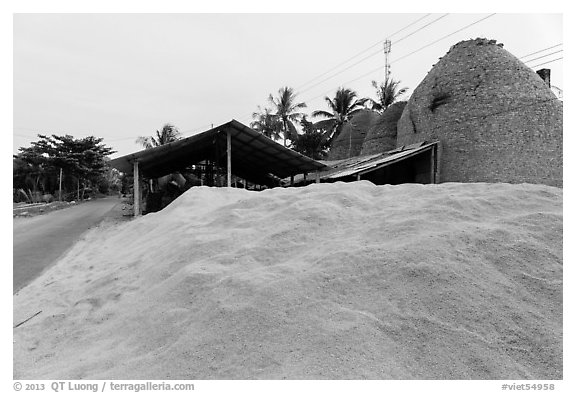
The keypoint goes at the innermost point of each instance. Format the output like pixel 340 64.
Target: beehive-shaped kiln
pixel 496 119
pixel 349 142
pixel 382 135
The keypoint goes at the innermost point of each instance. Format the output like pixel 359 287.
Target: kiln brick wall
pixel 382 135
pixel 496 119
pixel 349 142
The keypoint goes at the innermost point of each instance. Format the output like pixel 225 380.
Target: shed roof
pixel 255 157
pixel 339 169
pixel 376 162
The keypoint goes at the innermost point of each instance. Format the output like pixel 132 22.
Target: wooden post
pixel 60 187
pixel 229 158
pixel 136 189
pixel 433 165
pixel 317 177
pixel 438 162
pixel 358 177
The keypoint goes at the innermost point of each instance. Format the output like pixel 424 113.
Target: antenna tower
pixel 387 49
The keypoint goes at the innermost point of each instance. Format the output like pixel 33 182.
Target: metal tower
pixel 387 49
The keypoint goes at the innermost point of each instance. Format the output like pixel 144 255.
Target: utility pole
pixel 387 49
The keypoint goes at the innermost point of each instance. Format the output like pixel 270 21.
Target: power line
pixel 350 81
pixel 402 29
pixel 362 52
pixel 196 129
pixel 341 71
pixel 181 132
pixel 373 54
pixel 541 50
pixel 409 54
pixel 421 28
pixel 444 37
pixel 540 57
pixel 551 61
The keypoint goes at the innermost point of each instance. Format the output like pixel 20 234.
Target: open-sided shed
pixel 416 163
pixel 241 150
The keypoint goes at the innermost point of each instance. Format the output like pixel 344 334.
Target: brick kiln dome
pixel 382 135
pixel 496 119
pixel 349 142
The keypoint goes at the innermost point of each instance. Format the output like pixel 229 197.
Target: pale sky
pixel 119 76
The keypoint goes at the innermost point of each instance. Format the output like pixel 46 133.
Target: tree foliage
pixel 37 167
pixel 311 142
pixel 169 133
pixel 286 109
pixel 387 93
pixel 267 123
pixel 342 107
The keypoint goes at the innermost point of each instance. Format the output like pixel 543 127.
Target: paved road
pixel 39 241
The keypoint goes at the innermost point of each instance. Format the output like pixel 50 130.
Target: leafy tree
pixel 312 142
pixel 83 159
pixel 110 180
pixel 387 93
pixel 267 123
pixel 287 112
pixel 31 170
pixel 168 134
pixel 343 106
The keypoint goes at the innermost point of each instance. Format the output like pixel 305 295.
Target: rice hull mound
pixel 381 137
pixel 496 119
pixel 329 281
pixel 349 142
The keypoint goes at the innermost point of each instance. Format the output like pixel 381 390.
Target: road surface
pixel 40 241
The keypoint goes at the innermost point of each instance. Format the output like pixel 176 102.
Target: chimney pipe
pixel 545 75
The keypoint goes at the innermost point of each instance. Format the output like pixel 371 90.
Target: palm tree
pixel 286 110
pixel 168 134
pixel 266 123
pixel 311 142
pixel 388 93
pixel 343 107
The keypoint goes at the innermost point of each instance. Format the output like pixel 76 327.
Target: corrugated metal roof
pixel 255 157
pixel 367 165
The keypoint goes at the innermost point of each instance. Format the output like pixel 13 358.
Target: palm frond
pixel 292 133
pixel 145 141
pixel 319 113
pixel 355 111
pixel 326 125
